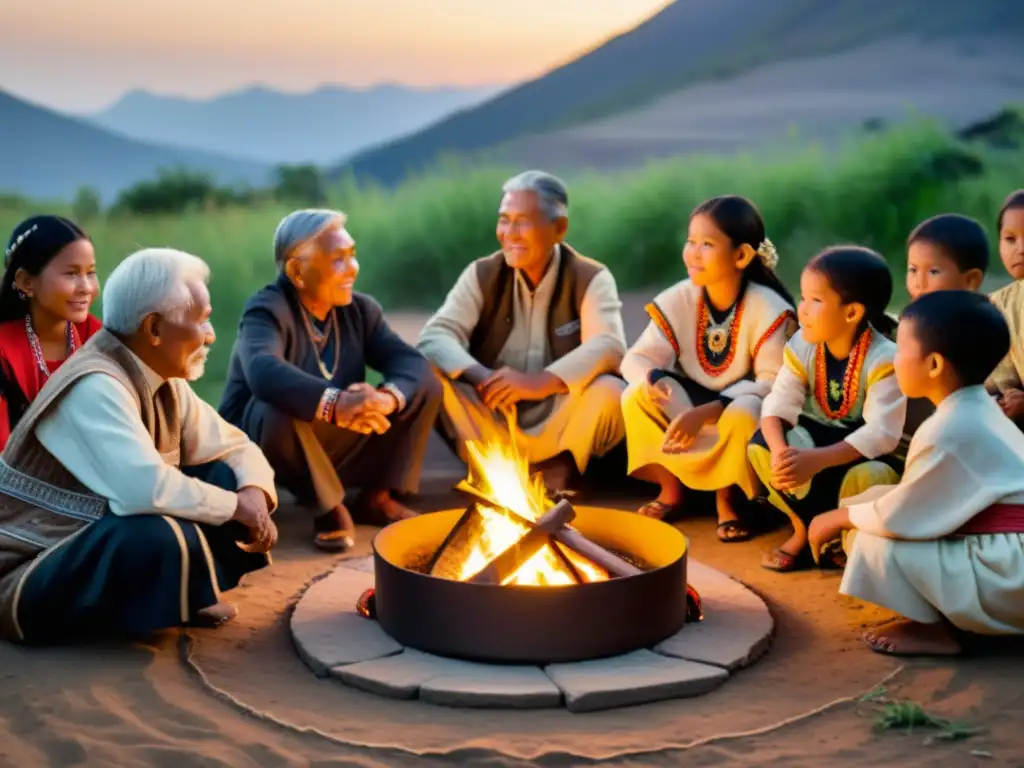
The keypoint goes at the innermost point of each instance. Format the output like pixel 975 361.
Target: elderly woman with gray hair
pixel 297 383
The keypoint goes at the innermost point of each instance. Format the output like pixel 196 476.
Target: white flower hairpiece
pixel 767 253
pixel 19 240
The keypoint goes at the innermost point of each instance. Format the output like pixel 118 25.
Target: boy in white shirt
pixel 945 547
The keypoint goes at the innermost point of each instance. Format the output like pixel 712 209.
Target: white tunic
pixel 965 458
pixel 96 433
pixel 586 420
pixel 718 457
pixel 670 341
pixel 879 402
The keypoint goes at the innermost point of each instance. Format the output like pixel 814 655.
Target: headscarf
pixel 32 246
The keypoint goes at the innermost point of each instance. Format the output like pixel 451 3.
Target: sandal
pixel 208 619
pixel 657 509
pixel 780 561
pixel 732 532
pixel 832 555
pixel 334 531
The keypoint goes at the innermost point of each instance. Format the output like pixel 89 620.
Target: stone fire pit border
pixel 335 641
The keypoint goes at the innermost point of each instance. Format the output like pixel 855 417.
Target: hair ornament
pixel 18 241
pixel 767 253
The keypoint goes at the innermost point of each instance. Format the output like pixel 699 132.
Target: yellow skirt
pixel 718 457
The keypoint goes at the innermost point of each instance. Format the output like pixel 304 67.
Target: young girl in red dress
pixel 48 286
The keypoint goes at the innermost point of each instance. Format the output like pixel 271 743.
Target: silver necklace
pixel 319 341
pixel 37 348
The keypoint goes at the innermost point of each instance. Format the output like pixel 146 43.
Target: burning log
pixel 580 544
pixel 567 536
pixel 509 561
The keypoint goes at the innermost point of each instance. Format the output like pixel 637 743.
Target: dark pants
pixel 134 575
pixel 316 461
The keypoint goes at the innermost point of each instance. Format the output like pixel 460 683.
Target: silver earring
pixel 21 294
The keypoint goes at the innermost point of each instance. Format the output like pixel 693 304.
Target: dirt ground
pixel 239 696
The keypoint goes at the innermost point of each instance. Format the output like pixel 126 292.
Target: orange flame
pixel 499 474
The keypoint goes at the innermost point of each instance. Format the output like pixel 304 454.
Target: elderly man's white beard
pixel 197 364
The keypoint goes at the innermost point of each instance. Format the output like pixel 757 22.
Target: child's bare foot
pixel 903 637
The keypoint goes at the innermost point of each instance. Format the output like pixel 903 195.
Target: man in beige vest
pixel 106 523
pixel 529 341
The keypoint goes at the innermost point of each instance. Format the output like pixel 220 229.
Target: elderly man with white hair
pixel 530 339
pixel 102 530
pixel 297 383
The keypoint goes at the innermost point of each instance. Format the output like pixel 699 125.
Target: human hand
pixel 355 410
pixel 507 386
pixel 825 528
pixel 252 511
pixel 792 467
pixel 1012 403
pixel 375 399
pixel 683 430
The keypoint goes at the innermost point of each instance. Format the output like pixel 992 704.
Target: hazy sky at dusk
pixel 80 55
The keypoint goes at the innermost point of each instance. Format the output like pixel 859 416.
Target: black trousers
pixel 316 461
pixel 134 575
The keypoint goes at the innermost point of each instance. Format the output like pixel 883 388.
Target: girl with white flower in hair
pixel 698 373
pixel 835 413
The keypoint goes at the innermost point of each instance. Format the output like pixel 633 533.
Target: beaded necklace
pixel 319 341
pixel 851 378
pixel 719 337
pixel 37 348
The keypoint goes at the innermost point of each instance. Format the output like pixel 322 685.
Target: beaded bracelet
pixel 325 408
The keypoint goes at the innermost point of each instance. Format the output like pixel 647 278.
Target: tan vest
pixel 497 283
pixel 41 503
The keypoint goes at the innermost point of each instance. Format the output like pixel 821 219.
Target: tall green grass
pixel 415 240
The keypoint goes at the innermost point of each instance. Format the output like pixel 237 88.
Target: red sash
pixel 999 518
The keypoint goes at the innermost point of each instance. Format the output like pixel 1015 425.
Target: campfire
pixel 513 534
pixel 515 577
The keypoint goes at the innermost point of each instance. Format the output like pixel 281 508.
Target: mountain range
pixel 729 74
pixel 699 76
pixel 258 123
pixel 47 155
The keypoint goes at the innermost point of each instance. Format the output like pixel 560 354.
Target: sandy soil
pixel 956 82
pixel 157 703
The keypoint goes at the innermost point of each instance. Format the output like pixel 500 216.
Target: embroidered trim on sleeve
pixel 791 361
pixel 779 322
pixel 659 319
pixel 883 371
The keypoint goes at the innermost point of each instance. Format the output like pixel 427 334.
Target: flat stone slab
pixel 328 630
pixel 364 564
pixel 737 626
pixel 452 682
pixel 334 640
pixel 639 677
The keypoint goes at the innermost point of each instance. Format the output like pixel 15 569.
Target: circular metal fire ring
pixel 531 624
pixel 336 641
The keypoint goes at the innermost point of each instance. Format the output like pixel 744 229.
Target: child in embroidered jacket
pixel 835 406
pixel 698 373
